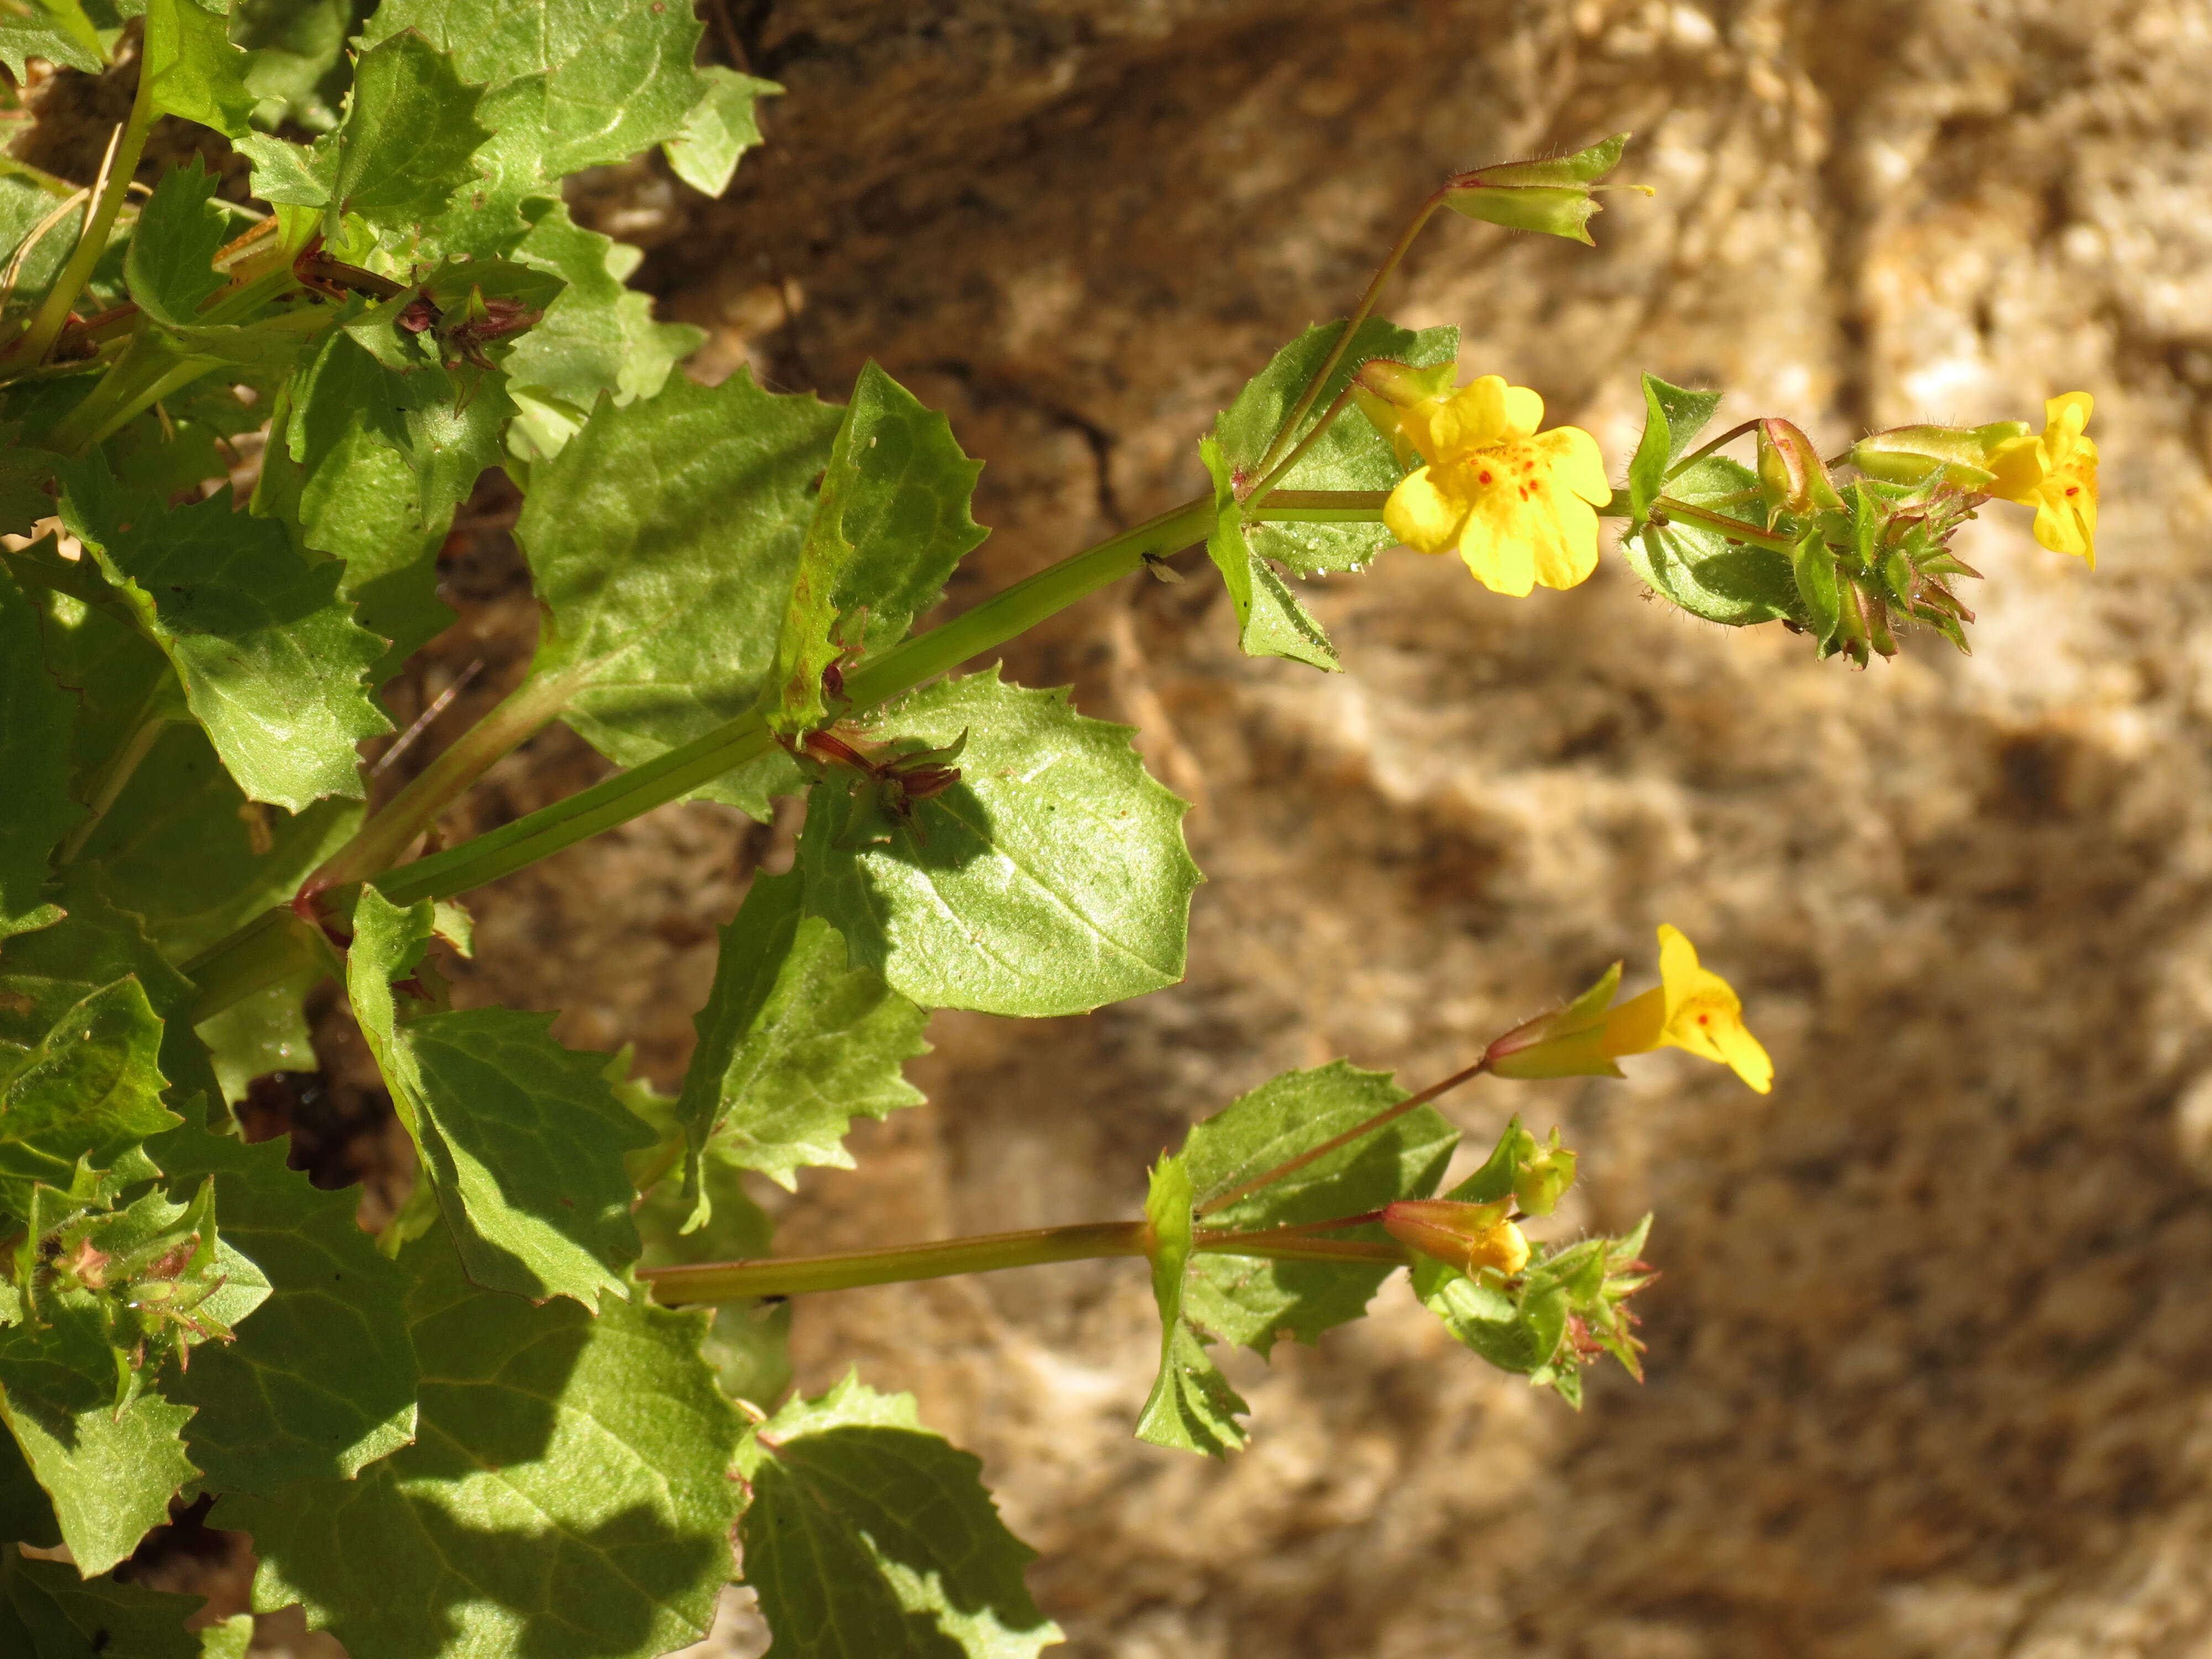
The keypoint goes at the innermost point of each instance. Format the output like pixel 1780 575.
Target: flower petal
pixel 1678 966
pixel 2019 465
pixel 1424 516
pixel 1577 463
pixel 1637 1026
pixel 2059 412
pixel 1496 550
pixel 1524 412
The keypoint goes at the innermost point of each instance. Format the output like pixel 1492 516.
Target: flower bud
pixel 1913 455
pixel 1568 1042
pixel 1543 1179
pixel 1385 388
pixel 1472 1237
pixel 1792 475
pixel 1552 196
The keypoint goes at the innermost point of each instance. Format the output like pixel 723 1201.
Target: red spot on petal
pixel 1704 1019
pixel 1486 477
pixel 2073 490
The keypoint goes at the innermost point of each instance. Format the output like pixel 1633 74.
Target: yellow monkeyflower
pixel 1518 504
pixel 2056 475
pixel 1692 1008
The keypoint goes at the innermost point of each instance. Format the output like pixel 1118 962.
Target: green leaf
pixel 1191 1406
pixel 522 1138
pixel 793 1044
pixel 721 128
pixel 296 63
pixel 570 84
pixel 665 601
pixel 891 523
pixel 170 265
pixel 48 1612
pixel 271 661
pixel 57 31
pixel 869 1536
pixel 196 72
pixel 1050 879
pixel 1732 583
pixel 1352 455
pixel 1271 623
pixel 37 717
pixel 1255 1301
pixel 598 336
pixel 322 1380
pixel 109 1471
pixel 409 132
pixel 568 1491
pixel 1673 418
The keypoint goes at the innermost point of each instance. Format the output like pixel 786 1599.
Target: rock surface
pixel 1930 1356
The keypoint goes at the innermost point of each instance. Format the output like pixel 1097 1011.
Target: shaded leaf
pixel 1254 1300
pixel 748 1342
pixel 77 1102
pixel 568 1491
pixel 322 1380
pixel 271 662
pixel 296 63
pixel 522 1138
pixel 793 1044
pixel 170 265
pixel 48 1612
pixel 109 1473
pixel 37 717
pixel 1050 879
pixel 1702 570
pixel 868 1537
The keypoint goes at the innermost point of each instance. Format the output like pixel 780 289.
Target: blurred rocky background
pixel 1931 1360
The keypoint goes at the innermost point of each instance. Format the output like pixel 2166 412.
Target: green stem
pixel 262 952
pixel 148 371
pixel 1704 449
pixel 31 347
pixel 1313 1154
pixel 268 949
pixel 377 846
pixel 733 1281
pixel 1734 529
pixel 796 1275
pixel 1359 315
pixel 160 709
pixel 1322 507
pixel 1266 485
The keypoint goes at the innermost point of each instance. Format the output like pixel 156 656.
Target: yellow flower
pixel 1519 504
pixel 2056 475
pixel 1692 1008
